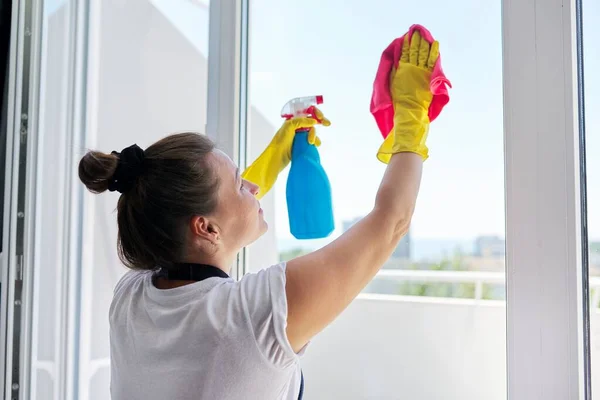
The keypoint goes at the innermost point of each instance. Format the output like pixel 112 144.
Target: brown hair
pixel 177 182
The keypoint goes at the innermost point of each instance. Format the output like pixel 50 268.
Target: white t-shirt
pixel 216 339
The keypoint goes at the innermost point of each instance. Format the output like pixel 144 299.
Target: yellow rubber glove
pixel 278 154
pixel 411 95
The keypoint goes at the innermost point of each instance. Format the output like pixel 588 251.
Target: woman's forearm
pixel 321 284
pixel 398 191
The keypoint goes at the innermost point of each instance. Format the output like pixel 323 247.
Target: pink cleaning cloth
pixel 382 106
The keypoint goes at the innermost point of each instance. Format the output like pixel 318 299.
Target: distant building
pixel 402 251
pixel 489 246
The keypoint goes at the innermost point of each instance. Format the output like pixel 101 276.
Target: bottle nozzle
pixel 300 106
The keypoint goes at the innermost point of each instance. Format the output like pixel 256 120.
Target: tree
pixel 442 289
pixel 293 253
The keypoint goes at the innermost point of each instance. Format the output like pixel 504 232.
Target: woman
pixel 181 328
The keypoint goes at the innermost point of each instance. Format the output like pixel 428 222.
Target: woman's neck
pixel 217 260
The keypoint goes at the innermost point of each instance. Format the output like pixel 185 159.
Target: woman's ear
pixel 203 228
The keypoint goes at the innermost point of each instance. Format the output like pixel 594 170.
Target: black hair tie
pixel 130 167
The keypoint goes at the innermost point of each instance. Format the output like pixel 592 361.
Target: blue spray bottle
pixel 308 192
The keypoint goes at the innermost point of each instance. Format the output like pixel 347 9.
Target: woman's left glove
pixel 411 94
pixel 278 154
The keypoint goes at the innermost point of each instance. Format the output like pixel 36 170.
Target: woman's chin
pixel 262 229
pixel 265 227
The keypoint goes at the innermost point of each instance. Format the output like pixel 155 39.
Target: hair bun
pixel 96 170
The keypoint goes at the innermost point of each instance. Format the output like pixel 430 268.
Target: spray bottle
pixel 308 192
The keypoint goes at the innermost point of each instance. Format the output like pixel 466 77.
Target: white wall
pixel 401 349
pixel 418 348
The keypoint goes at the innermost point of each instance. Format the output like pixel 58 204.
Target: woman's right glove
pixel 411 95
pixel 278 154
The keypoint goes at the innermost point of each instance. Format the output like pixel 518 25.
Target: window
pixel 107 74
pixel 591 18
pixel 438 304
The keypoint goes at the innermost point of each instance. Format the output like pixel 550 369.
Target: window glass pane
pixel 147 78
pixel 442 319
pixel 591 31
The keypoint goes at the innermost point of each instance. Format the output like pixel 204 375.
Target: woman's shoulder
pixel 275 274
pixel 129 278
pixel 274 269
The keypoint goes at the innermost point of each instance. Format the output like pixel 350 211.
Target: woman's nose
pixel 253 188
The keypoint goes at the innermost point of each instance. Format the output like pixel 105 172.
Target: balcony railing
pixel 478 278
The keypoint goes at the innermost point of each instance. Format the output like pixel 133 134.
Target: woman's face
pixel 238 212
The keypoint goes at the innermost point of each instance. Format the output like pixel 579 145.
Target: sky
pixel 333 48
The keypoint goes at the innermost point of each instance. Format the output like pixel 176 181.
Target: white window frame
pixel 545 324
pixel 20 196
pixel 227 85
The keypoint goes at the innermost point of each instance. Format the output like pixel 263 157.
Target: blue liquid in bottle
pixel 308 192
